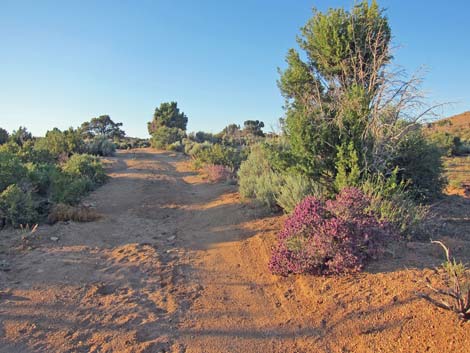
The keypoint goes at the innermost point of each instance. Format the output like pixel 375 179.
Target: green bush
pixel 220 155
pixel 40 176
pixel 11 170
pixel 192 148
pixel 251 171
pixel 295 187
pixel 390 201
pixel 57 142
pixel 165 136
pixel 176 146
pixel 17 206
pixel 69 189
pixel 100 145
pixel 420 166
pixel 84 165
pixel 448 143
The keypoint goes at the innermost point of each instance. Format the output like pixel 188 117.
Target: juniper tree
pixel 343 95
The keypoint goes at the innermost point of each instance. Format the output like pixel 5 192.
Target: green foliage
pixel 165 136
pixel 167 115
pixel 269 187
pixel 86 166
pixel 102 125
pixel 69 189
pixel 232 135
pixel 253 127
pixel 40 176
pixel 218 154
pixel 20 136
pixel 294 188
pixel 176 147
pixel 59 143
pixel 100 145
pixel 17 206
pixel 347 166
pixel 4 136
pixel 337 133
pixel 11 170
pixel 338 42
pixel 420 166
pixel 37 173
pixel 251 170
pixel 202 137
pixel 449 144
pixel 391 203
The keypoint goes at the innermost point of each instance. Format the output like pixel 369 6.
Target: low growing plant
pixel 17 206
pixel 333 237
pixel 456 297
pixel 217 173
pixel 62 212
pixel 84 165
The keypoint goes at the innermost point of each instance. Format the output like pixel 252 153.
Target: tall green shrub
pixel 17 206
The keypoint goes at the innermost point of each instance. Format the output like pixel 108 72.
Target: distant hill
pixel 457 125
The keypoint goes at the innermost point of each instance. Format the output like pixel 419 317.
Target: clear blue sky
pixel 64 62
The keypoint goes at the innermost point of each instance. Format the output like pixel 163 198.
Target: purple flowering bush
pixel 332 237
pixel 217 173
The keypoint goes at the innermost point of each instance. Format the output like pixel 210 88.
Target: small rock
pixel 171 238
pixel 54 238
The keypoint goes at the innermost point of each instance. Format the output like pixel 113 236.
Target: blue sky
pixel 64 62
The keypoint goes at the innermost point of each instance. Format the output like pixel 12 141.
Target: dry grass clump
pixel 456 296
pixel 62 212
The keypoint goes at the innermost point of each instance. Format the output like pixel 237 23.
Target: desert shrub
pixel 332 237
pixel 267 190
pixel 202 136
pixel 57 142
pixel 251 170
pixel 17 206
pixel 165 136
pixel 295 187
pixel 100 145
pixel 20 136
pixel 391 203
pixel 448 143
pixel 40 176
pixel 420 166
pixel 69 189
pixel 11 170
pixel 176 147
pixel 217 173
pixel 27 152
pixel 62 212
pixel 220 155
pixel 269 186
pixel 456 295
pixel 84 165
pixel 192 148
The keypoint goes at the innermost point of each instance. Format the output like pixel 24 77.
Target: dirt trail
pixel 179 265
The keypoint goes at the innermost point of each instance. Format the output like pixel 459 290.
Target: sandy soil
pixel 179 265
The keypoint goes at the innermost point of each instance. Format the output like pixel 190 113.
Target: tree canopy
pixel 347 110
pixel 168 115
pixel 102 125
pixel 253 127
